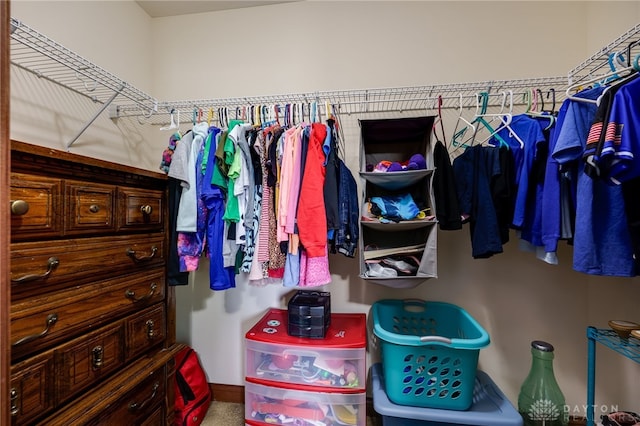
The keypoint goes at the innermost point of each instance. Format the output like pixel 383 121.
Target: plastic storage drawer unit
pixel 268 405
pixel 336 361
pixel 490 407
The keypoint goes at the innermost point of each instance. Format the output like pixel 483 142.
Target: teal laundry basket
pixel 429 352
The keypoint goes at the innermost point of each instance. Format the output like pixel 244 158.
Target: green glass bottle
pixel 541 402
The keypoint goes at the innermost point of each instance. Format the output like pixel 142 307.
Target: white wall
pixel 114 35
pixel 318 45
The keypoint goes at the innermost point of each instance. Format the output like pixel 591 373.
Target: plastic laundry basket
pixel 429 352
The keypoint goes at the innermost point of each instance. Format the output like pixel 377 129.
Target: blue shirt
pixel 602 243
pixel 526 130
pixel 551 195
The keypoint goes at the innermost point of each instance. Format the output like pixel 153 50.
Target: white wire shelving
pixel 38 54
pixel 627 44
pixel 47 59
pixel 362 101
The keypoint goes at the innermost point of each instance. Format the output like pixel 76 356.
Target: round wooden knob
pixel 19 207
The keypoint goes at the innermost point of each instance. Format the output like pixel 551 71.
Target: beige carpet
pixel 231 414
pixel 224 414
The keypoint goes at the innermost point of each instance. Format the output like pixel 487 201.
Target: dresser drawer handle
pixel 151 333
pixel 98 357
pixel 19 207
pixel 94 208
pixel 51 320
pixel 134 406
pixel 52 263
pixel 13 395
pixel 146 209
pixel 130 294
pixel 132 254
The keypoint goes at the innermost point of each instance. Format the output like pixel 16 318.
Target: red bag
pixel 192 392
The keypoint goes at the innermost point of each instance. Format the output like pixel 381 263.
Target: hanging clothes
pixel 620 153
pixel 444 190
pixel 474 171
pixel 558 208
pixel 602 243
pixel 531 228
pixel 312 221
pixel 522 129
pixel 174 274
pixel 187 213
pixel 330 186
pixel 259 207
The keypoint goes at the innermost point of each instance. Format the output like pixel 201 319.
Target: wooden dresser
pixel 92 318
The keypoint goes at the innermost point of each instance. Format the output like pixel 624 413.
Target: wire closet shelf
pixel 40 55
pixel 380 100
pixel 47 59
pixel 602 61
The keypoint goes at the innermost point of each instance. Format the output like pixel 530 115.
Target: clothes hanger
pixel 175 121
pixel 552 92
pixel 481 118
pixel 197 115
pixel 597 81
pixel 506 119
pixel 457 134
pixel 534 113
pixel 482 101
pixel 439 120
pixel 621 79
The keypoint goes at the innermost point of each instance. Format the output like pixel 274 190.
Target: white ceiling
pixel 160 8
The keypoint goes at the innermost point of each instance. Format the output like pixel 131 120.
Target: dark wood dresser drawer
pixel 31 385
pixel 36 267
pixel 145 330
pixel 90 208
pixel 140 210
pixel 131 396
pixel 155 419
pixel 37 323
pixel 136 406
pixel 36 207
pixel 88 359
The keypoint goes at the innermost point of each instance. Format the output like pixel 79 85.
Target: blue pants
pixel 220 278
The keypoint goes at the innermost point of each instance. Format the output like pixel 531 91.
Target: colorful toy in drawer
pixel 337 361
pixel 311 370
pixel 309 314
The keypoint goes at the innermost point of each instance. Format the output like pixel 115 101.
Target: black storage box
pixel 309 314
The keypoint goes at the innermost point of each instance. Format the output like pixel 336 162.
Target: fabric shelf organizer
pixel 398 239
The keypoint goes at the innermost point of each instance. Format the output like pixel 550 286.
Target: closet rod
pixel 600 60
pixel 363 101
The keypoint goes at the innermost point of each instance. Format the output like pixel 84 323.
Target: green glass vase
pixel 541 402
